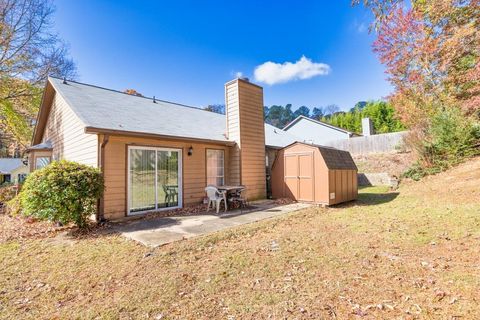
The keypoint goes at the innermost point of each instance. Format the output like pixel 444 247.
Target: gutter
pixel 95 130
pixel 100 217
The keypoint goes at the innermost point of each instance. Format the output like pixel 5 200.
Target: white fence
pixel 378 143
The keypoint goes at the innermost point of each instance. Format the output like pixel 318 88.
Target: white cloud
pixel 273 73
pixel 361 28
pixel 239 74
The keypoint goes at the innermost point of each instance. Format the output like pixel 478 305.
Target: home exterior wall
pixel 245 126
pixel 194 170
pixel 232 116
pixel 271 155
pixel 312 132
pixel 17 171
pixel 67 135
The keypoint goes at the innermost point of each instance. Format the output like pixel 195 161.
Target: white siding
pixel 67 134
pixel 311 132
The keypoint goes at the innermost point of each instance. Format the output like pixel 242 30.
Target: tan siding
pixel 67 135
pixel 245 125
pixel 233 130
pixel 194 170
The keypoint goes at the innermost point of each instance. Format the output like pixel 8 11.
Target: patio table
pixel 229 189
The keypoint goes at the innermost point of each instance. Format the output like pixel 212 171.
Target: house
pixel 316 132
pixel 12 170
pixel 156 154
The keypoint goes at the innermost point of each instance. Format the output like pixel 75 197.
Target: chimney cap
pixel 245 80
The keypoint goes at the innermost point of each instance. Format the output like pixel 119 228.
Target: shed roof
pixel 335 159
pixel 106 109
pixel 7 165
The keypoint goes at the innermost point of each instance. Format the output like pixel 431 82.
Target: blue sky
pixel 184 51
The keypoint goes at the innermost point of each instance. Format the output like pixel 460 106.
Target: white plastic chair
pixel 215 197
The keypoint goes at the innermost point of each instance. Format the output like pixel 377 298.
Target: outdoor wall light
pixel 190 151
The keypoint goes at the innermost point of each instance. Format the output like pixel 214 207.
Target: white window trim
pixel 180 180
pixel 206 164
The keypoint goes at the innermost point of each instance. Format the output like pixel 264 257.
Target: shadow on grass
pixel 369 199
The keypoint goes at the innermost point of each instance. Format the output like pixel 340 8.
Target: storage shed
pixel 313 173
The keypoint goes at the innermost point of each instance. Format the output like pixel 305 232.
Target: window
pixel 41 162
pixel 21 177
pixel 215 167
pixel 154 177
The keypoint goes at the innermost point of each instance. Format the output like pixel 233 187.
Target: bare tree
pixel 29 51
pixel 331 109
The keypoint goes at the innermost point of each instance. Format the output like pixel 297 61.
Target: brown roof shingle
pixel 337 159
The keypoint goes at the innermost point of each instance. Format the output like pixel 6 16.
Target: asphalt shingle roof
pixel 337 159
pixel 102 108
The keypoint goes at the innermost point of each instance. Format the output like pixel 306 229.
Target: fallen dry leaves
pixel 412 255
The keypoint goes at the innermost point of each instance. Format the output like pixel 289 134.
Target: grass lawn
pixel 409 254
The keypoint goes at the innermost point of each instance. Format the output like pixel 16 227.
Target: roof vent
pixel 64 80
pixel 245 79
pixel 154 101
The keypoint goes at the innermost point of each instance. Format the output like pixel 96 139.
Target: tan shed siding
pixel 67 134
pixel 194 170
pixel 341 182
pixel 344 185
pixel 321 178
pixel 331 185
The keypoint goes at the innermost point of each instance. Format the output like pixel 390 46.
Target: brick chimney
pixel 245 126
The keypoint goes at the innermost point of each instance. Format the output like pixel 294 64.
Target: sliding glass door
pixel 167 179
pixel 154 179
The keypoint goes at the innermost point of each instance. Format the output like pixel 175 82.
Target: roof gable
pixel 317 122
pixel 106 110
pixel 7 165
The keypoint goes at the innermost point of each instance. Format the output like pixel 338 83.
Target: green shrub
pixel 449 138
pixel 63 191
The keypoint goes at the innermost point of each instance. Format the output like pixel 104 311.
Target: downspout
pixel 101 203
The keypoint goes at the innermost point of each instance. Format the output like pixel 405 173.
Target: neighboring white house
pixel 316 132
pixel 12 170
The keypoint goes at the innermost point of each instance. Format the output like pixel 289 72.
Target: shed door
pixel 305 177
pixel 299 176
pixel 291 176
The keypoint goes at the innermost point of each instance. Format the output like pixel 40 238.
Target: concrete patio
pixel 159 231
